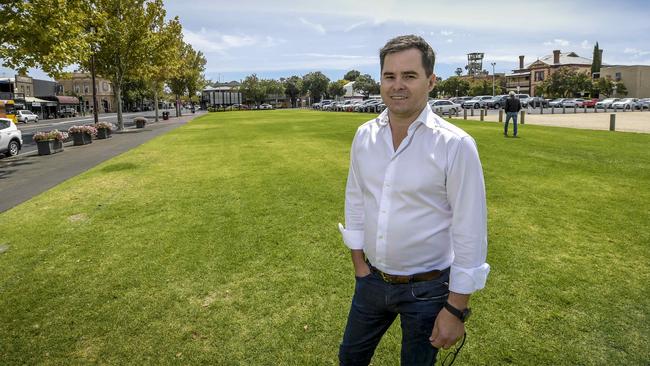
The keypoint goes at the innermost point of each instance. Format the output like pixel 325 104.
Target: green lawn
pixel 217 244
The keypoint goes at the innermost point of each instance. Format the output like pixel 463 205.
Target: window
pixel 4 124
pixel 618 76
pixel 539 75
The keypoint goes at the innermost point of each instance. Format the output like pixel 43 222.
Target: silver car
pixel 627 104
pixel 444 106
pixel 11 139
pixel 606 103
pixel 26 116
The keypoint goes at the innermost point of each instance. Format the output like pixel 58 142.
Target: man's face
pixel 404 84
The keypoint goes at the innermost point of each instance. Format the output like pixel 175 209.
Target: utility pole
pixel 493 63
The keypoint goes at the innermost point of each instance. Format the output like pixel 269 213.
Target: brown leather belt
pixel 401 279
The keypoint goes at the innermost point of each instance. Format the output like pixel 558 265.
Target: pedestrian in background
pixel 513 106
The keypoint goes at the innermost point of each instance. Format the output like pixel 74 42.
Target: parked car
pixel 626 103
pixel 644 103
pixel 26 116
pixel 555 103
pixel 591 103
pixel 460 100
pixel 497 102
pixel 606 103
pixel 444 106
pixel 67 112
pixel 11 139
pixel 536 102
pixel 367 106
pixel 523 99
pixel 572 103
pixel 476 102
pixel 266 106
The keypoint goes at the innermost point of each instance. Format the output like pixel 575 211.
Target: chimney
pixel 521 62
pixel 556 57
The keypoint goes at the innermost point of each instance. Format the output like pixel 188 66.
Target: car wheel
pixel 497 106
pixel 13 148
pixel 452 111
pixel 477 106
pixel 628 107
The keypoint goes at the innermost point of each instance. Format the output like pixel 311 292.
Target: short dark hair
pixel 402 43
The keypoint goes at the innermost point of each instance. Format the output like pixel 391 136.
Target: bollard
pixel 585 108
pixel 500 115
pixel 595 109
pixel 482 113
pixel 457 112
pixel 472 112
pixel 552 110
pixel 523 117
pixel 464 113
pixel 541 109
pixel 563 109
pixel 605 108
pixel 575 109
pixel 612 122
pixel 624 109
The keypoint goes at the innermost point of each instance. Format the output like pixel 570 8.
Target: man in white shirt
pixel 415 215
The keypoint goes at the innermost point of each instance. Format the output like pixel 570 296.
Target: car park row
pixel 454 105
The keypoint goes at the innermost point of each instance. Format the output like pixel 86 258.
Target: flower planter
pixel 103 133
pixel 81 138
pixel 49 147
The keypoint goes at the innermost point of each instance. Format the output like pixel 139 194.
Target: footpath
pixel 638 122
pixel 27 175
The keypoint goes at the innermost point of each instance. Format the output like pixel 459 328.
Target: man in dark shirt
pixel 513 106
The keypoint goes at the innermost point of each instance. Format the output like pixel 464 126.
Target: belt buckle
pixel 384 277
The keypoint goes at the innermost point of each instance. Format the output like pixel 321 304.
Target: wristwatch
pixel 463 315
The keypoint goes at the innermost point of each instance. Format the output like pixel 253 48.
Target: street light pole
pixel 92 74
pixel 493 63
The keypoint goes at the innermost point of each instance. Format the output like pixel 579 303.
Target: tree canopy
pixel 352 75
pixel 315 83
pixel 366 85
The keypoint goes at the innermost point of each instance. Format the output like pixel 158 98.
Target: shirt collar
pixel 426 117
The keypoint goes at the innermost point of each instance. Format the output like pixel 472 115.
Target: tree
pixel 351 75
pixel 366 85
pixel 41 34
pixel 292 88
pixel 596 61
pixel 336 88
pixel 194 68
pixel 272 88
pixel 458 71
pixel 454 85
pixel 253 89
pixel 481 88
pixel 315 83
pixel 123 41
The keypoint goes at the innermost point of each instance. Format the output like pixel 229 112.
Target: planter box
pixel 81 138
pixel 103 133
pixel 49 147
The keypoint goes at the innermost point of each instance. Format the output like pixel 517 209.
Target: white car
pixel 26 116
pixel 11 139
pixel 571 103
pixel 443 106
pixel 266 106
pixel 555 103
pixel 627 104
pixel 606 103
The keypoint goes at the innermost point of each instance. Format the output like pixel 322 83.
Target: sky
pixel 282 38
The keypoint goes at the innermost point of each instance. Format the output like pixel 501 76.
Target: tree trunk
pixel 155 102
pixel 118 99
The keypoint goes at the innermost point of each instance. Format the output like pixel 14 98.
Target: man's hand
pixel 361 268
pixel 447 330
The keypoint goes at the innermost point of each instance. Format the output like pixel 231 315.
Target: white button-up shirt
pixel 421 207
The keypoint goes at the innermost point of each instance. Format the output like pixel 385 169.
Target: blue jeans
pixel 376 304
pixel 512 115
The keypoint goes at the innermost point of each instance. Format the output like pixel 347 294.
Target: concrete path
pixel 625 121
pixel 27 175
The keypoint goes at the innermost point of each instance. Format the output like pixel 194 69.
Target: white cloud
pixel 636 52
pixel 217 42
pixel 557 43
pixel 446 33
pixel 585 45
pixel 354 26
pixel 317 27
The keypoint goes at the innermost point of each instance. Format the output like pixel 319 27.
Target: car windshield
pixel 609 100
pixel 557 100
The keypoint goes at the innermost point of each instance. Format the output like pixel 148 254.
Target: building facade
pixel 80 84
pixel 635 77
pixel 527 78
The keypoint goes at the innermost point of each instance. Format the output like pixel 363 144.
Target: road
pixel 62 124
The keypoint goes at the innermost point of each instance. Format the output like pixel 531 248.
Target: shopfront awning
pixel 64 99
pixel 36 102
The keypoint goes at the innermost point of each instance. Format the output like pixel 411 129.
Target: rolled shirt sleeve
pixel 353 233
pixel 466 196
